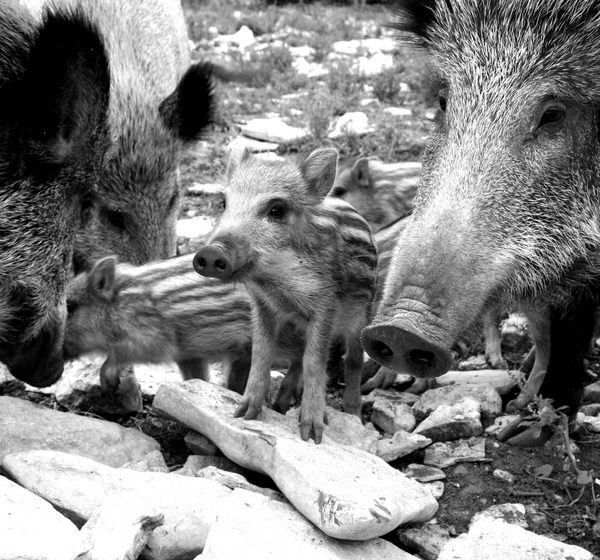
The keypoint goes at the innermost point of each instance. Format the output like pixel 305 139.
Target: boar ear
pixel 414 18
pixel 319 170
pixel 361 173
pixel 237 156
pixel 190 108
pixel 101 279
pixel 61 101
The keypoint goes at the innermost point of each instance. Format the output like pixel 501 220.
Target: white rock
pixel 504 475
pixel 500 423
pixel 391 395
pixel 153 462
pixel 444 454
pixel 234 480
pixel 346 492
pixel 274 130
pixel 31 529
pixel 346 429
pixel 354 123
pixel 241 143
pixel 591 423
pixel 80 486
pixel 384 45
pixel 497 540
pixel 391 416
pixel 450 422
pixel 502 380
pixel 398 111
pixel 515 514
pixel 424 473
pixel 376 64
pixel 490 402
pixel 199 444
pixel 368 101
pixel 269 156
pixel 309 69
pixel 303 51
pixel 473 362
pixel 119 530
pixel 254 527
pixel 26 426
pixel 242 38
pixel 436 488
pixel 400 444
pixel 194 227
pixel 346 47
pixel 205 188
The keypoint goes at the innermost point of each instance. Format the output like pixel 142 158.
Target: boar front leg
pixel 314 366
pixel 260 368
pixel 354 364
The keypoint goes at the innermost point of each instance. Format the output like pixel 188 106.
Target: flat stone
pixel 199 444
pixel 195 463
pixel 79 486
pixel 444 454
pixel 427 539
pixel 24 515
pixel 199 189
pixel 26 426
pixel 424 473
pixel 504 381
pixel 346 429
pixel 346 492
pixel 504 475
pixel 391 416
pixel 477 362
pixel 391 395
pixel 515 514
pixel 450 422
pixel 500 423
pixel 153 462
pixel 400 444
pixel 355 123
pixel 119 530
pixel 309 69
pixel 303 51
pixel 398 111
pixel 242 38
pixel 375 64
pixel 497 540
pixel 241 143
pixel 591 393
pixel 254 527
pixel 234 480
pixel 490 402
pixel 274 130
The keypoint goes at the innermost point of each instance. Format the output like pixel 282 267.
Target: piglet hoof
pixel 384 378
pixel 312 428
pixel 247 409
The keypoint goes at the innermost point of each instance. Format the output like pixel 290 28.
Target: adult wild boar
pixel 54 89
pixel 509 201
pixel 159 104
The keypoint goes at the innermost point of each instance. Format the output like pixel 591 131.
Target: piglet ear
pixel 189 110
pixel 319 170
pixel 101 279
pixel 361 173
pixel 237 156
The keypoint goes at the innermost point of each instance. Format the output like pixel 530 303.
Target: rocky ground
pixel 309 68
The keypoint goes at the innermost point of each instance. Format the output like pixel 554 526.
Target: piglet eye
pixel 553 114
pixel 277 211
pixel 338 191
pixel 443 100
pixel 71 307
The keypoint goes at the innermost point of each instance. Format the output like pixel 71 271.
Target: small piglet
pixel 156 313
pixel 309 264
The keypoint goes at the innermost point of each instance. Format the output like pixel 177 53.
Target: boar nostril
pixel 221 265
pixel 382 349
pixel 201 261
pixel 422 357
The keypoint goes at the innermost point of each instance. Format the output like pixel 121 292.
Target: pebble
pixel 444 454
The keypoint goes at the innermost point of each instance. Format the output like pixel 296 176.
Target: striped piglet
pixel 308 262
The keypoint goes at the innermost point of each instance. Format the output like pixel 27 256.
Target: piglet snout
pixel 213 261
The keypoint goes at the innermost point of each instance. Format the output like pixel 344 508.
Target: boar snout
pixel 213 261
pixel 40 362
pixel 399 347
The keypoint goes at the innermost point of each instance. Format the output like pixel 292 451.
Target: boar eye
pixel 443 100
pixel 338 191
pixel 71 307
pixel 277 210
pixel 554 114
pixel 115 218
pixel 173 201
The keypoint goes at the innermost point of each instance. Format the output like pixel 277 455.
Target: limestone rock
pixel 254 527
pixel 590 423
pixel 25 426
pixel 391 395
pixel 375 64
pixel 450 422
pixel 504 475
pixel 514 514
pixel 153 462
pixel 241 143
pixel 473 362
pixel 400 444
pixel 497 540
pixel 355 123
pixel 346 429
pixel 23 515
pixel 435 488
pixel 398 111
pixel 208 189
pixel 195 463
pixel 490 402
pixel 427 539
pixel 502 380
pixel 242 38
pixel 274 130
pixel 79 486
pixel 234 480
pixel 500 423
pixel 391 416
pixel 346 492
pixel 199 444
pixel 119 531
pixel 591 393
pixel 444 455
